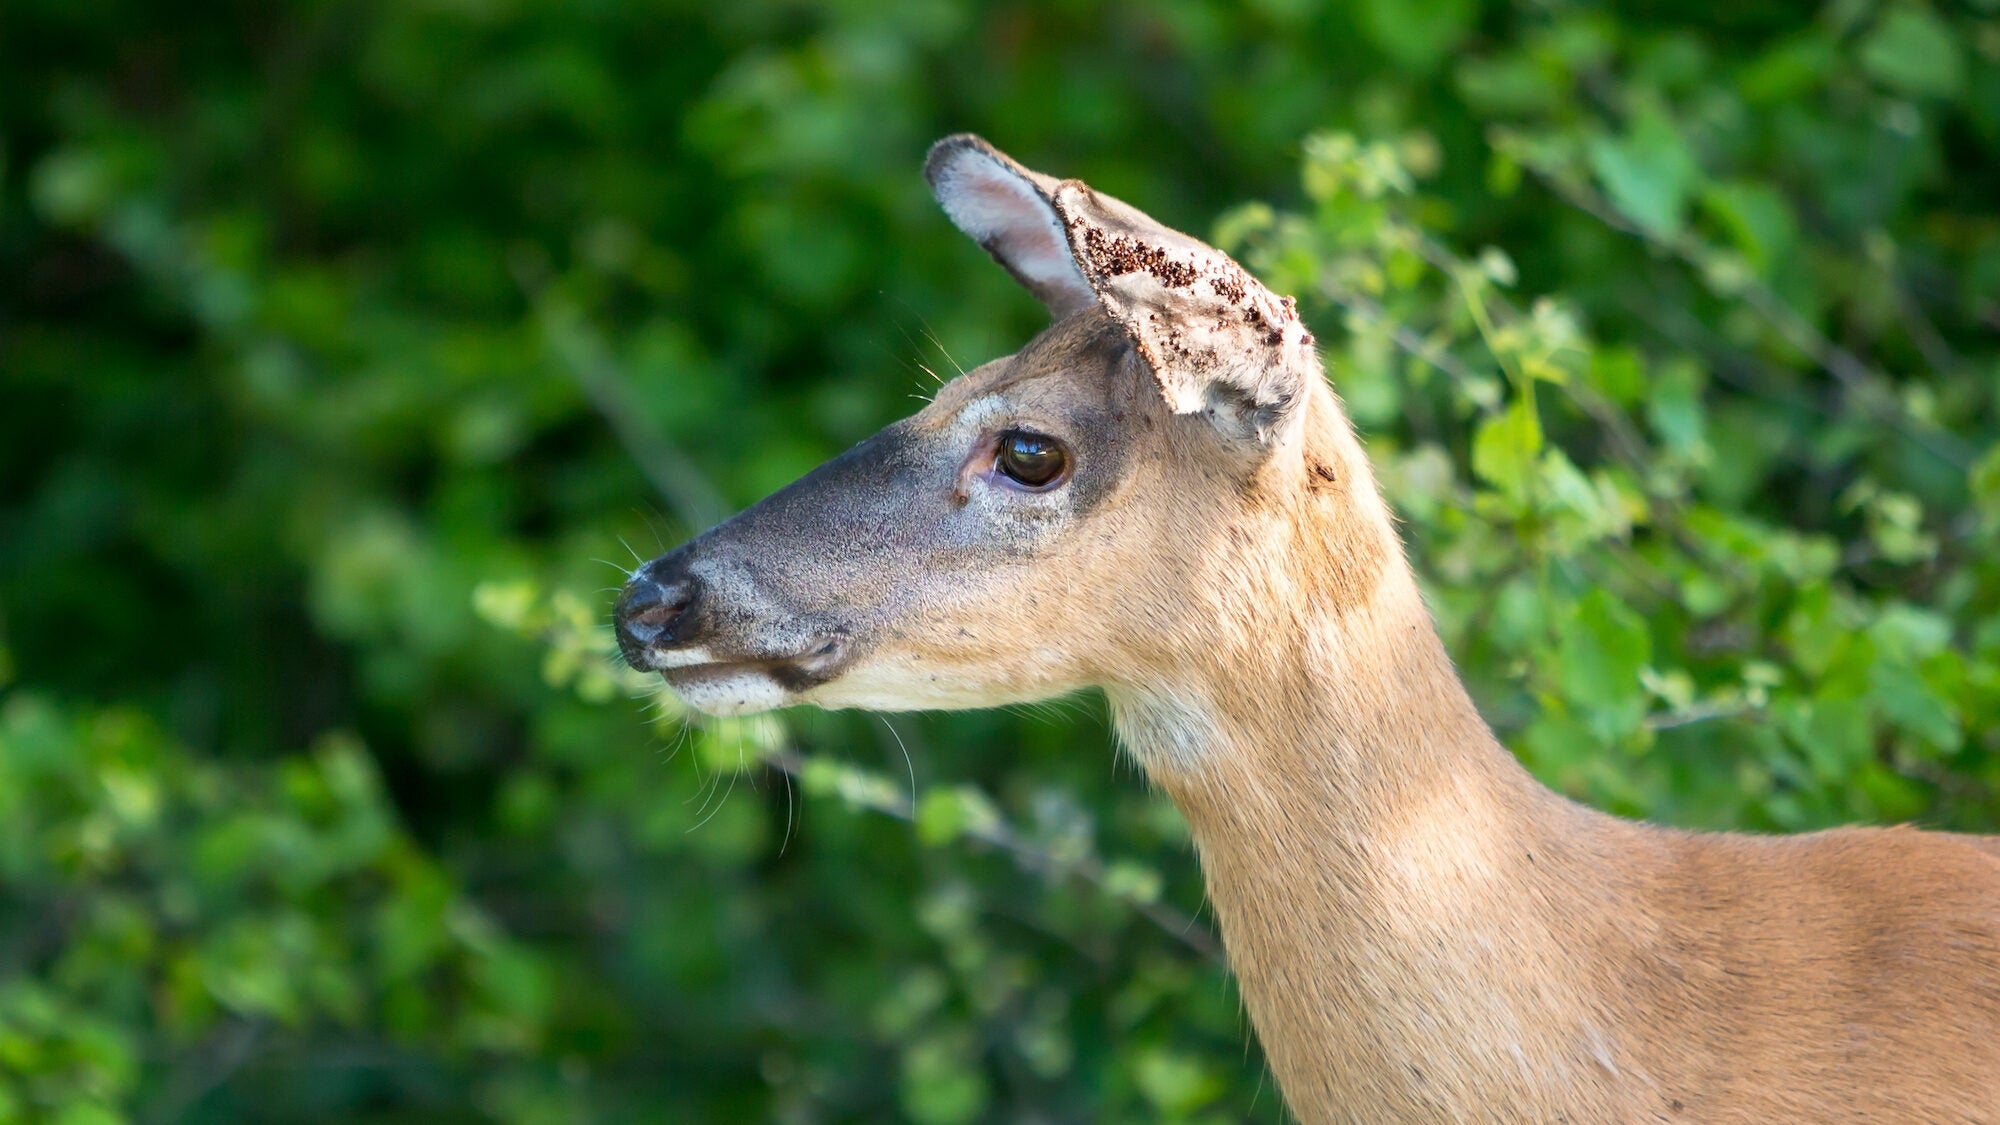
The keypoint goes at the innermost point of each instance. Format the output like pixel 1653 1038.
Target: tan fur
pixel 1422 932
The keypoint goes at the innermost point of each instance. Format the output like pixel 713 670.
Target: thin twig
pixel 1400 334
pixel 1861 380
pixel 224 1056
pixel 583 352
pixel 1183 928
pixel 1701 714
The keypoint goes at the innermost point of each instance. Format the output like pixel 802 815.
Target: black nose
pixel 654 610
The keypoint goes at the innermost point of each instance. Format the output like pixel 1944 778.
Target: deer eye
pixel 1030 460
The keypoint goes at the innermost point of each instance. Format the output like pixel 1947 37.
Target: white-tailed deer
pixel 1159 496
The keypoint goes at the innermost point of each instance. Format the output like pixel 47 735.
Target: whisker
pixel 726 792
pixel 791 809
pixel 908 763
pixel 931 335
pixel 647 514
pixel 939 344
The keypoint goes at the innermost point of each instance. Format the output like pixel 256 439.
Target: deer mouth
pixel 746 686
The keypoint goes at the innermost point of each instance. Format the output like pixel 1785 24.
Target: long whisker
pixel 791 812
pixel 740 764
pixel 653 518
pixel 942 350
pixel 908 762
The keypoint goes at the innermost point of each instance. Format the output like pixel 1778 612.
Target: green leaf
pixel 1673 407
pixel 1601 649
pixel 1175 1083
pixel 1983 480
pixel 1757 219
pixel 1133 882
pixel 1894 796
pixel 1416 33
pixel 942 1083
pixel 1508 85
pixel 1913 51
pixel 73 186
pixel 1619 374
pixel 1648 173
pixel 912 999
pixel 1910 703
pixel 941 817
pixel 1790 70
pixel 1561 750
pixel 506 604
pixel 88 1113
pixel 1505 448
pixel 1836 736
pixel 514 983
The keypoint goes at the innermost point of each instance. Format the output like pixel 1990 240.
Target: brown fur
pixel 1422 932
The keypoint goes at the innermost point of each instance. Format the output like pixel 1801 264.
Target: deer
pixel 1159 497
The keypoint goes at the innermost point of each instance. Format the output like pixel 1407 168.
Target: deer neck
pixel 1401 902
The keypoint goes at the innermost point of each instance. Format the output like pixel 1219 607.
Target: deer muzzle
pixel 718 650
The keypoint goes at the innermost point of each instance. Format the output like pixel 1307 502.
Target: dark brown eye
pixel 1030 460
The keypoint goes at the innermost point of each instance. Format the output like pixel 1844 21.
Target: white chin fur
pixel 897 685
pixel 663 659
pixel 725 690
pixel 728 691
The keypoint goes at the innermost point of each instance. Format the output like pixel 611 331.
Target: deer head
pixel 1108 507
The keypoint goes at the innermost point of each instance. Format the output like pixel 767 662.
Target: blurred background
pixel 349 351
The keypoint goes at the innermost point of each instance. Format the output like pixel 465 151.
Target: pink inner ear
pixel 1007 215
pixel 1030 243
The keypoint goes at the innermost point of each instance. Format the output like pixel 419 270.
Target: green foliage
pixel 338 342
pixel 1650 637
pixel 180 911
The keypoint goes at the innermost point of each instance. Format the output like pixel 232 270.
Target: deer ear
pixel 1219 343
pixel 1011 212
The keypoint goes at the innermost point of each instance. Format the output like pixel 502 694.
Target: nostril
pixel 660 614
pixel 648 612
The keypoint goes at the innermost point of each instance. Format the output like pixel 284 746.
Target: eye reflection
pixel 1030 460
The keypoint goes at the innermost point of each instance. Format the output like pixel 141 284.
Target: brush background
pixel 340 341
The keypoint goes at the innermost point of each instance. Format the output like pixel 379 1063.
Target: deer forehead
pixel 1077 362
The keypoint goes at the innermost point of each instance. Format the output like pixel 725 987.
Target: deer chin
pixel 887 681
pixel 727 689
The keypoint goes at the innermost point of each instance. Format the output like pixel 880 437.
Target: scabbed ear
pixel 1010 211
pixel 1218 342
